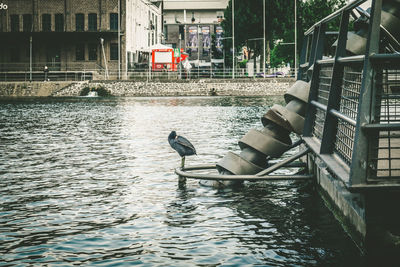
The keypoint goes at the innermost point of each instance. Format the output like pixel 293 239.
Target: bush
pixel 101 91
pixel 242 64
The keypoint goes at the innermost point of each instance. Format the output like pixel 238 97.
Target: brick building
pixel 75 35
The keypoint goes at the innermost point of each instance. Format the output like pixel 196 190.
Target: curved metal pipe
pixel 263 175
pixel 226 177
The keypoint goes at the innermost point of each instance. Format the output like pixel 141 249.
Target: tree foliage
pixel 279 22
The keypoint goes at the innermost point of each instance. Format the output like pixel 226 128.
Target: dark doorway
pixel 53 57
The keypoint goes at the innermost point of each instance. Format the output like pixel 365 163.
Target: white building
pixel 144 19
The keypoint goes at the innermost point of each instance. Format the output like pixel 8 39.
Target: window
pixel 182 31
pixel 113 21
pixel 46 22
pixel 14 54
pixel 14 23
pixel 92 22
pixel 166 31
pixel 79 22
pixel 152 28
pixel 156 28
pixel 129 55
pixel 92 51
pixel 80 52
pixel 59 27
pixel 113 51
pixel 27 23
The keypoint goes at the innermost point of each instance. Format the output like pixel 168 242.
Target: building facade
pixel 190 25
pixel 144 30
pixel 75 35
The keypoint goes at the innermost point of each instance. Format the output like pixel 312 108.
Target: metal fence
pixel 386 162
pixel 79 71
pixel 353 122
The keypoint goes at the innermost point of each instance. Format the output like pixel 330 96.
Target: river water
pixel 90 181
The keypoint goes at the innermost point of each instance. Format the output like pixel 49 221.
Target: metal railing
pixel 91 70
pixel 353 122
pixel 206 73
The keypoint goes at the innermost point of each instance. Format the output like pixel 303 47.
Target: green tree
pixel 249 24
pixel 308 13
pixel 279 25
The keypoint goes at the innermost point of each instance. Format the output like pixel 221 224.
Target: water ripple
pixel 90 181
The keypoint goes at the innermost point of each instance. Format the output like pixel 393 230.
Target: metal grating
pixel 324 85
pixel 325 79
pixel 386 153
pixel 345 141
pixel 351 86
pixel 319 123
pixel 387 161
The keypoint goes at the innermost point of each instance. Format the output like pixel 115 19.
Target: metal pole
pixel 105 59
pixel 198 51
pixel 150 62
pixel 264 36
pixel 295 37
pixel 223 55
pixel 180 60
pixel 30 58
pixel 233 39
pixel 210 63
pixel 119 40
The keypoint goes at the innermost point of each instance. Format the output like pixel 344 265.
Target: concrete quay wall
pixel 242 87
pixel 30 89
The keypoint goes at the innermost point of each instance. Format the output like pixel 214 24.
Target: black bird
pixel 182 146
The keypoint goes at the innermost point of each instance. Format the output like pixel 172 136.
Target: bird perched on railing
pixel 182 146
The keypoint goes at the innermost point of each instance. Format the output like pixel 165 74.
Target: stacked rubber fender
pixel 390 20
pixel 257 146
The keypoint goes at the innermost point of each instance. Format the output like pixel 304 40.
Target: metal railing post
pixel 330 125
pixel 362 149
pixel 318 44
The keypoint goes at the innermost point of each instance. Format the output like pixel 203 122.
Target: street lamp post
pixel 295 38
pixel 223 53
pixel 198 51
pixel 180 63
pixel 264 36
pixel 119 41
pixel 30 58
pixel 233 39
pixel 105 59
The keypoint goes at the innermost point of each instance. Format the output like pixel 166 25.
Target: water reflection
pixel 90 181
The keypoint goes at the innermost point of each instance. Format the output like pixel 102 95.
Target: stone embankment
pixel 245 87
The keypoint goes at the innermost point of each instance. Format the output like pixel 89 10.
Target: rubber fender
pixel 277 132
pixel 297 106
pixel 272 117
pixel 254 156
pixel 356 42
pixel 391 23
pixel 310 72
pixel 299 90
pixel 295 120
pixel 263 143
pixel 237 165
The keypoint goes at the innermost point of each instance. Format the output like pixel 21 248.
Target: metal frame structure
pixel 353 118
pixel 263 175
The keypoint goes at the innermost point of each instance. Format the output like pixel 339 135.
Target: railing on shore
pixel 92 71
